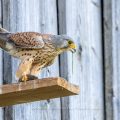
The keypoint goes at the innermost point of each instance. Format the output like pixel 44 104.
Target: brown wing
pixel 27 40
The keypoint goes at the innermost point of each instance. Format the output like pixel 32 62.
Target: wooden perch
pixel 36 90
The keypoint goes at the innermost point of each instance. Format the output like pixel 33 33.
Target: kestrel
pixel 35 50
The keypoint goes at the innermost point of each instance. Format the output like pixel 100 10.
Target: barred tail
pixel 4 44
pixel 3 40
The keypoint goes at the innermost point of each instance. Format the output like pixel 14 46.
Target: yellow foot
pixel 27 77
pixel 23 78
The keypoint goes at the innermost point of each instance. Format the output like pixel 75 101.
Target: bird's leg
pixel 31 77
pixel 27 78
pixel 24 69
pixel 35 69
pixel 24 78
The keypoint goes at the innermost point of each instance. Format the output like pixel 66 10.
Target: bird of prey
pixel 35 50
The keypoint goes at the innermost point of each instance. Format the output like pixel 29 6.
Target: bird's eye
pixel 70 42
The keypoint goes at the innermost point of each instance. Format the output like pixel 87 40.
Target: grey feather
pixel 60 41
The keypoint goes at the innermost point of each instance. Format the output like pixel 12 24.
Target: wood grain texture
pixel 112 55
pixel 30 15
pixel 116 58
pixel 83 23
pixel 36 90
pixel 63 58
pixel 108 52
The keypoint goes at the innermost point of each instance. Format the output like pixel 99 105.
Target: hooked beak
pixel 73 48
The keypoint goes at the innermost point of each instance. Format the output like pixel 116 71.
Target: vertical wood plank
pixel 108 52
pixel 112 58
pixel 31 15
pixel 1 63
pixel 83 23
pixel 116 58
pixel 61 4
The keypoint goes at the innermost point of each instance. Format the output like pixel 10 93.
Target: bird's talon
pixel 24 78
pixel 27 78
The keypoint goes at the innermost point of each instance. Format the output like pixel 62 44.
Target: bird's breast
pixel 42 56
pixel 45 57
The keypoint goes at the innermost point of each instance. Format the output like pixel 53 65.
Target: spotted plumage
pixel 35 50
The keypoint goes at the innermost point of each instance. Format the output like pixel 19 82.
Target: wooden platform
pixel 36 90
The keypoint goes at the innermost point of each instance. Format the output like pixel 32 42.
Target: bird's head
pixel 64 43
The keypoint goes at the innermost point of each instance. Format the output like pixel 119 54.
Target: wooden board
pixel 36 90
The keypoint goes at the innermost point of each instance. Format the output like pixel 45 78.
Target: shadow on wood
pixel 36 90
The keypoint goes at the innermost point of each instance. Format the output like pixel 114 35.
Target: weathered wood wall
pixel 116 58
pixel 84 67
pixel 108 49
pixel 94 25
pixel 30 15
pixel 112 58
